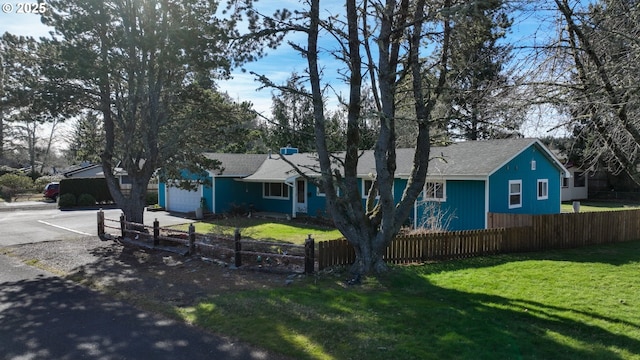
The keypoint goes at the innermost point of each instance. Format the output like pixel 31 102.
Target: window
pixel 276 190
pixel 366 186
pixel 579 179
pixel 434 190
pixel 565 182
pixel 515 194
pixel 543 189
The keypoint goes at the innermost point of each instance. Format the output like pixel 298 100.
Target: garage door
pixel 181 200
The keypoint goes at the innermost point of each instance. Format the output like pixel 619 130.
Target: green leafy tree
pixel 133 61
pixel 14 184
pixel 472 106
pixel 87 139
pixel 292 122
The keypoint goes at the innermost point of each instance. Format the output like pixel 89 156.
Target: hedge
pixel 96 187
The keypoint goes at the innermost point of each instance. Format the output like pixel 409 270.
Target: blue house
pixel 465 182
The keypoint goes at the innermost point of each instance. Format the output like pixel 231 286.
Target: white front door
pixel 301 196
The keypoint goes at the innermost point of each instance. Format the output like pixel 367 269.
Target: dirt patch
pixel 144 275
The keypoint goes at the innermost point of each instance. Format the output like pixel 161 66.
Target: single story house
pixel 465 182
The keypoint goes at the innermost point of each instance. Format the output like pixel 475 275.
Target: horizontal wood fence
pixel 235 250
pixel 524 233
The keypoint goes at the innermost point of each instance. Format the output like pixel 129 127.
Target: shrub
pixel 67 200
pixel 86 200
pixel 96 187
pixel 13 184
pixel 151 198
pixel 42 181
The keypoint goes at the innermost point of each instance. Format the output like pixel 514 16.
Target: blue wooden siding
pixel 162 194
pixel 520 169
pixel 316 204
pixel 232 195
pixel 463 208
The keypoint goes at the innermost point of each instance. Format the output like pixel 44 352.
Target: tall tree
pixel 476 79
pixel 292 111
pixel 87 139
pixel 133 60
pixel 382 43
pixel 596 63
pixel 31 95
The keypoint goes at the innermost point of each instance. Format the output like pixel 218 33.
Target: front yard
pixel 573 304
pixel 294 232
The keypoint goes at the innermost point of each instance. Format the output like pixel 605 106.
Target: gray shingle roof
pixel 464 159
pixel 239 165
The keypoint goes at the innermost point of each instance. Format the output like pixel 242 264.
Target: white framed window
pixel 275 191
pixel 543 189
pixel 435 191
pixel 515 194
pixel 366 186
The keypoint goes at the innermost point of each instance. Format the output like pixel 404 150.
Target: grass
pixel 590 206
pixel 290 232
pixel 572 304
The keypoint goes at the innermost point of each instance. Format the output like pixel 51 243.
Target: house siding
pixel 519 168
pixel 162 194
pixel 234 195
pixel 463 208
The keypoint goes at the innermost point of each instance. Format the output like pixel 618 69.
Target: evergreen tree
pixel 87 139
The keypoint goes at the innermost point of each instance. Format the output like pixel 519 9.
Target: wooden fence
pixel 524 233
pixel 240 251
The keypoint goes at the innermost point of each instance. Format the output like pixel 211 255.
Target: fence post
pixel 309 255
pixel 101 224
pixel 238 254
pixel 122 225
pixel 156 232
pixel 192 239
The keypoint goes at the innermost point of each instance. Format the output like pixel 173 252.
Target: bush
pixel 86 200
pixel 14 184
pixel 151 198
pixel 67 200
pixel 42 181
pixel 96 187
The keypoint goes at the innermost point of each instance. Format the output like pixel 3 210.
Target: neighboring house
pixel 576 187
pixel 465 182
pixel 84 170
pixel 88 170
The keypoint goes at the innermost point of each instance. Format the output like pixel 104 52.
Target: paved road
pixel 46 317
pixel 35 223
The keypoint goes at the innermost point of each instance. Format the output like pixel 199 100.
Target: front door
pixel 301 196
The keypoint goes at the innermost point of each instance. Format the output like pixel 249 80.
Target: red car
pixel 51 191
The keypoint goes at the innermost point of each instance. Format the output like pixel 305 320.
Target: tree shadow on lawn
pixel 52 318
pixel 422 321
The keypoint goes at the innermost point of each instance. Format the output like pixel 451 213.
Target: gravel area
pixel 142 275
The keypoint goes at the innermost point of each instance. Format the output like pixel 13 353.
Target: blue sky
pixel 280 63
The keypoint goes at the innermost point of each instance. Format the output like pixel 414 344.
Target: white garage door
pixel 181 200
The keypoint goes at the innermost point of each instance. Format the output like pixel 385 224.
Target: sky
pixel 280 63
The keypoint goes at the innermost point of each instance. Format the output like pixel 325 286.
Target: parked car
pixel 52 190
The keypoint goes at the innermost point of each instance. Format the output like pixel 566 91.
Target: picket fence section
pixel 508 233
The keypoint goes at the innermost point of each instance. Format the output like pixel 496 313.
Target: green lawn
pixel 264 229
pixel 574 304
pixel 589 206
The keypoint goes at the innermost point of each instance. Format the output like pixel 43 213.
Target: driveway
pixel 37 222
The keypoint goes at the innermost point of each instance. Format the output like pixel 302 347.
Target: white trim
pixel 550 155
pixel 486 203
pixel 284 186
pixel 544 196
pixel 365 194
pixel 514 206
pixel 427 197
